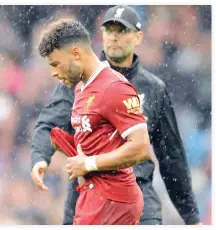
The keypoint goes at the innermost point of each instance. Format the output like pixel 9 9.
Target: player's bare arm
pixel 135 150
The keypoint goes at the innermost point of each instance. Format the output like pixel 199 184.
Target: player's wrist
pixel 91 164
pixel 42 164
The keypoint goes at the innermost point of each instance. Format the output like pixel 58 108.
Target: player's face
pixel 119 42
pixel 65 67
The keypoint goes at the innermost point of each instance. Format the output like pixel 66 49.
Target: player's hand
pixel 37 174
pixel 76 165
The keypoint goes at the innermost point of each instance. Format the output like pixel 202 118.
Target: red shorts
pixel 93 209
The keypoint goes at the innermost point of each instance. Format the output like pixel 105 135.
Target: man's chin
pixel 117 59
pixel 69 85
pixel 114 55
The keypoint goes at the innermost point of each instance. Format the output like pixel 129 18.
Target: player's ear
pixel 75 51
pixel 139 35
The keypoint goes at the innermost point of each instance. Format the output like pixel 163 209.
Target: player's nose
pixel 55 74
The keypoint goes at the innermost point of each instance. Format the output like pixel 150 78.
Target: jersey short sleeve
pixel 121 106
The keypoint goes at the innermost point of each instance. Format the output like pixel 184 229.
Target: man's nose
pixel 113 36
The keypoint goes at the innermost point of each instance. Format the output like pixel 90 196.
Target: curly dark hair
pixel 60 34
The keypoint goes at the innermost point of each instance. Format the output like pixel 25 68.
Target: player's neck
pixel 126 63
pixel 92 63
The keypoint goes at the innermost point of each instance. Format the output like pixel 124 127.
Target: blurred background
pixel 176 47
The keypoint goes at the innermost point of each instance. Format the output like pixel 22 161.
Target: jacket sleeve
pixel 173 165
pixel 70 202
pixel 56 113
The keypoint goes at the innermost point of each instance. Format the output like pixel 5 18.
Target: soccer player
pixel 121 35
pixel 109 126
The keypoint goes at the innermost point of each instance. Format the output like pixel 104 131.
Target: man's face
pixel 65 67
pixel 119 42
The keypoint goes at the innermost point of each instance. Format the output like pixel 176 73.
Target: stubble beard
pixel 117 58
pixel 74 79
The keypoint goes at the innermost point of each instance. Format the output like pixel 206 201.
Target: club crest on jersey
pixel 133 105
pixel 89 103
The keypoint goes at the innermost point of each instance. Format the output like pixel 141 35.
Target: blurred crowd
pixel 176 47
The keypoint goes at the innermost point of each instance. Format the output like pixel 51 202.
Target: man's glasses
pixel 119 30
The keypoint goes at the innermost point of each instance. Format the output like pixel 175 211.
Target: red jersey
pixel 106 110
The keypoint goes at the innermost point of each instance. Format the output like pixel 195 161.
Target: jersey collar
pixel 102 65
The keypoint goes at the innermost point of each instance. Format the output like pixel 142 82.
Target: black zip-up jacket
pixel 164 136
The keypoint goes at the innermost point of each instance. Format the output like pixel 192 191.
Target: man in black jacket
pixel 120 25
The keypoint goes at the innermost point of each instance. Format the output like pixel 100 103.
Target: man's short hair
pixel 60 34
